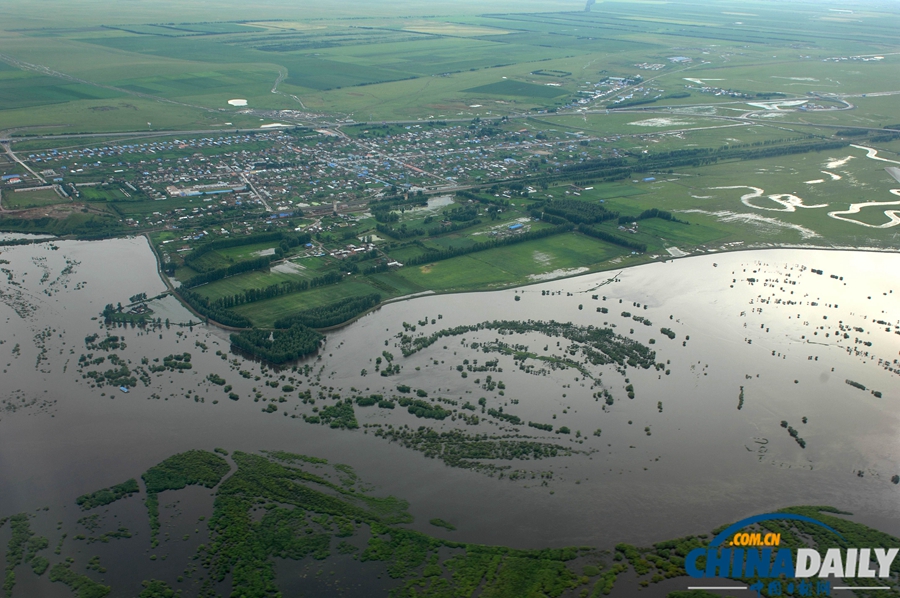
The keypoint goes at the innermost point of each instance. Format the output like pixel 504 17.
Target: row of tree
pixel 331 314
pixel 276 290
pixel 192 259
pixel 399 233
pixel 612 238
pixel 496 201
pixel 452 228
pixel 577 211
pixel 652 213
pixel 434 255
pixel 257 263
pixel 202 306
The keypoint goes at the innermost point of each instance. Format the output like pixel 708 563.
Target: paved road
pixel 12 155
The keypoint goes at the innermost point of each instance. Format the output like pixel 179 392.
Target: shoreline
pixel 429 293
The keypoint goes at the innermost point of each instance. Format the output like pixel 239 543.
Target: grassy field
pixel 383 67
pixel 264 313
pixel 515 264
pixel 30 199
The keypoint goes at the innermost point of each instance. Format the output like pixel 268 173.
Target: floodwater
pixel 763 320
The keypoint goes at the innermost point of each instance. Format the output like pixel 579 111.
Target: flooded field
pixel 771 380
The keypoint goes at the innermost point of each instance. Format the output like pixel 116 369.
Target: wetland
pixel 658 403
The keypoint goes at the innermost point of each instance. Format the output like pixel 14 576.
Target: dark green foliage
pixel 107 495
pixel 487 200
pixel 257 263
pixel 39 565
pixel 544 427
pixel 457 449
pixel 399 233
pixel 23 547
pixel 579 211
pixel 80 225
pixel 186 469
pixel 851 132
pixel 156 589
pixel 279 346
pixel 21 532
pixel 368 401
pixel 600 346
pixel 668 332
pixel 120 376
pixel 340 415
pixel 444 524
pixel 175 362
pixel 331 314
pixel 81 585
pixel 243 546
pixel 452 228
pixel 424 409
pixel 192 259
pixel 435 255
pixel 652 213
pixel 193 468
pixel 276 290
pixel 513 419
pixel 612 238
pixel 201 305
pixel 216 379
pixel 855 384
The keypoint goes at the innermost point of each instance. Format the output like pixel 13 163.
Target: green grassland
pixel 387 68
pixel 31 199
pixel 264 313
pixel 515 264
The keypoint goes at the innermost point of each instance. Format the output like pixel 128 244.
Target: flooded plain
pixel 763 347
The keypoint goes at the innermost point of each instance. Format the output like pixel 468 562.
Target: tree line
pixel 331 314
pixel 257 263
pixel 202 306
pixel 574 210
pixel 652 213
pixel 497 201
pixel 612 238
pixel 191 259
pixel 279 346
pixel 434 255
pixel 276 290
pixel 600 346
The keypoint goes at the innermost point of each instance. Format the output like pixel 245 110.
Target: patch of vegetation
pixel 441 523
pixel 193 468
pixel 340 415
pixel 600 346
pixel 458 449
pixel 331 314
pixel 279 346
pixel 155 588
pixel 107 496
pixel 81 585
pixel 22 547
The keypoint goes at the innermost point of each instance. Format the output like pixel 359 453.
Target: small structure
pixel 516 226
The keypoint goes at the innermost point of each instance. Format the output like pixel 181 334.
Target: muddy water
pixel 705 462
